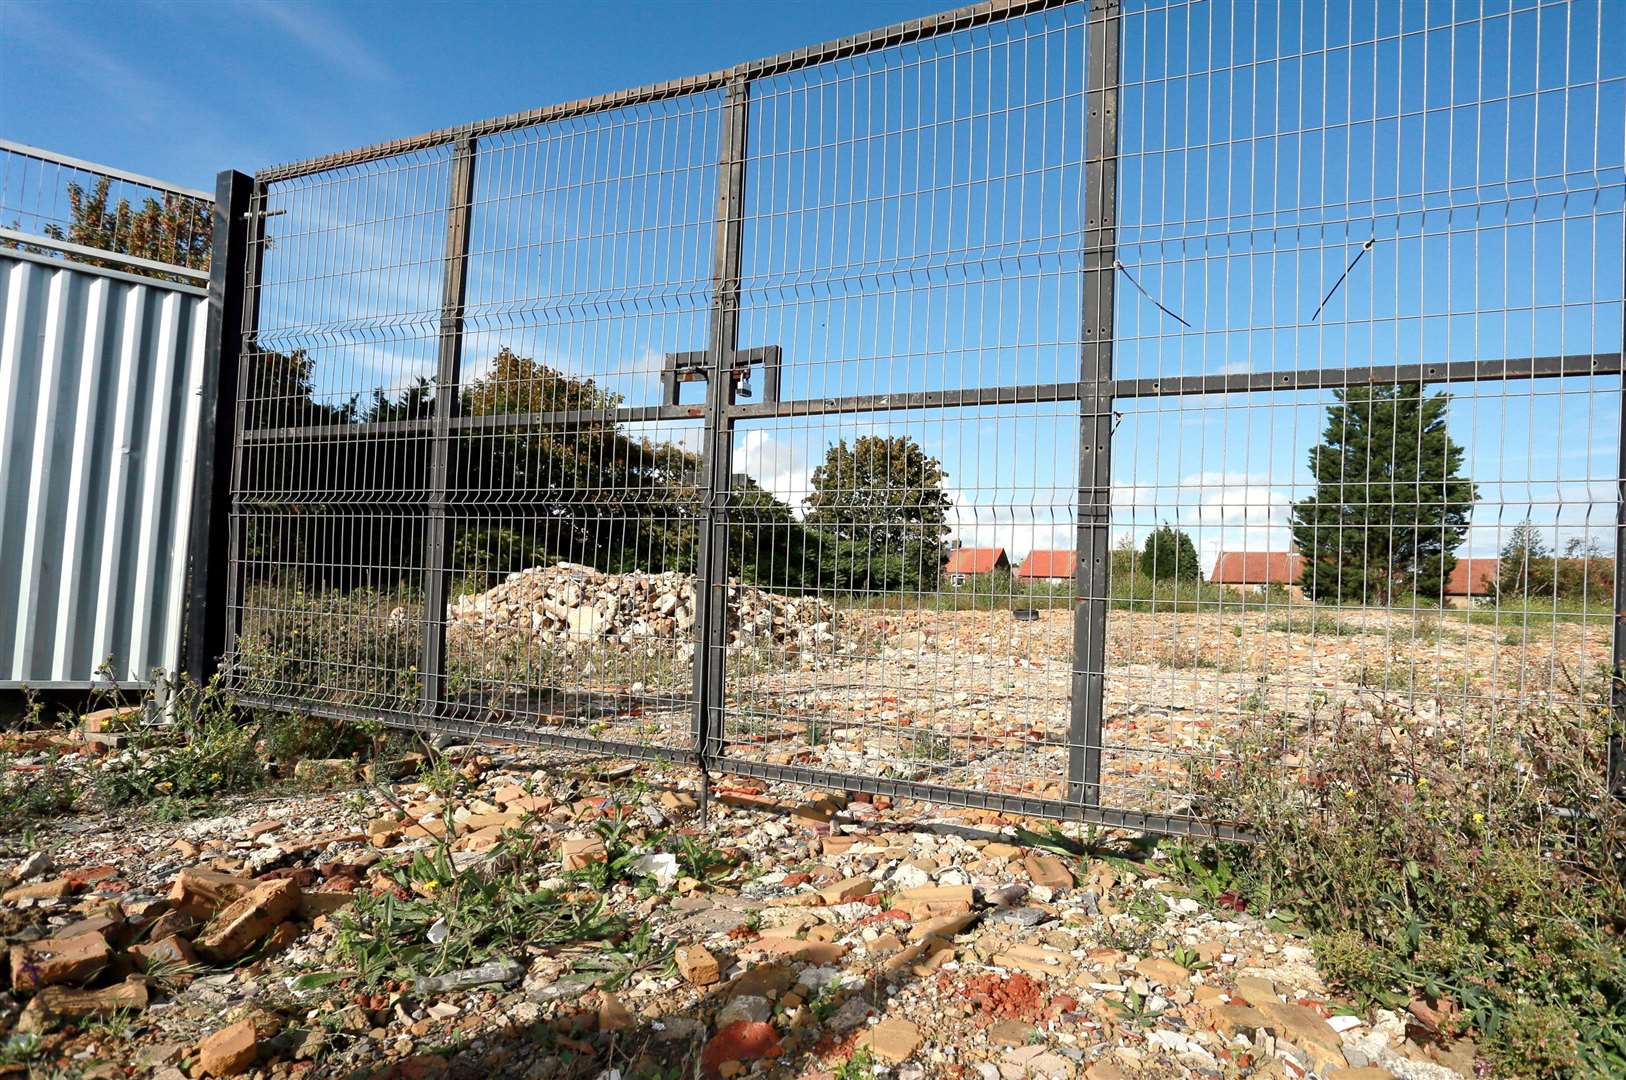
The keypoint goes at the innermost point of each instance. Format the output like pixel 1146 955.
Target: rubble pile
pixel 573 607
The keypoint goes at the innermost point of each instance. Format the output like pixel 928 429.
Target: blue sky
pixel 181 90
pixel 913 219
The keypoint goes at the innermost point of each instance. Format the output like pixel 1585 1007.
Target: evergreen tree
pixel 1391 505
pixel 1170 556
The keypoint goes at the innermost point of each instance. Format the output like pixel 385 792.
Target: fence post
pixel 211 544
pixel 717 470
pixel 1095 403
pixel 437 555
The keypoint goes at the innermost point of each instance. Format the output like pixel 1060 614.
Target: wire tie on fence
pixel 1358 255
pixel 1142 289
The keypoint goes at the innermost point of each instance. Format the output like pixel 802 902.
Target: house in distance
pixel 1048 565
pixel 964 562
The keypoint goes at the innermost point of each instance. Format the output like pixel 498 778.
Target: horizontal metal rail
pixel 457 722
pixel 460 723
pixel 1457 371
pixel 84 251
pixel 51 156
pixel 1454 371
pixel 1027 806
pixel 948 22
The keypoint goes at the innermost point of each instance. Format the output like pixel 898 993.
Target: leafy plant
pixel 1490 872
pixel 44 792
pixel 860 1066
pixel 475 915
pixel 208 750
pixel 1187 958
pixel 20 1048
pixel 1136 1009
pixel 618 962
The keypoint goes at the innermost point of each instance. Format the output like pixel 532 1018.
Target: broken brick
pixel 238 927
pixel 58 960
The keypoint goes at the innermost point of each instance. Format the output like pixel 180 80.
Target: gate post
pixel 717 469
pixel 212 545
pixel 1095 404
pixel 437 554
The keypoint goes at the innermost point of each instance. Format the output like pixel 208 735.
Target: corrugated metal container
pixel 99 397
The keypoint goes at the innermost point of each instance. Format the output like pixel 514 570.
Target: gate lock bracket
pixel 695 367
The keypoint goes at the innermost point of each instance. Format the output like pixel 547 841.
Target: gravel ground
pixel 911 940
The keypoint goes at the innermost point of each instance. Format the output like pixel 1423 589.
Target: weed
pixel 1184 655
pixel 1136 1009
pixel 860 1066
pixel 1209 872
pixel 207 751
pixel 176 808
pixel 440 777
pixel 1124 853
pixel 1486 871
pixel 618 962
pixel 1187 958
pixel 1147 907
pixel 483 913
pixel 291 738
pixel 20 1048
pixel 1313 621
pixel 703 862
pixel 115 1025
pixel 1127 935
pixel 45 791
pixel 930 746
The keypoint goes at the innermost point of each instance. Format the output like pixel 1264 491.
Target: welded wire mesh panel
pixel 46 197
pixel 575 535
pixel 912 235
pixel 568 517
pixel 330 498
pixel 1430 193
pixel 1083 410
pixel 856 648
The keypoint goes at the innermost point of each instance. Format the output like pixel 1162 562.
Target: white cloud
pixel 989 518
pixel 1221 511
pixel 343 51
pixel 778 467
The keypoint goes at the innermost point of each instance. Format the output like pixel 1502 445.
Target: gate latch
pixel 685 367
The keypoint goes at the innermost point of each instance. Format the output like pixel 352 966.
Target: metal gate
pixel 935 412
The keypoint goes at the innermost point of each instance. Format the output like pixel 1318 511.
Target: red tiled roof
pixel 1049 565
pixel 1472 577
pixel 971 560
pixel 1258 568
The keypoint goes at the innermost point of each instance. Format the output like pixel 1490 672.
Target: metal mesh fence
pixel 50 202
pixel 1033 407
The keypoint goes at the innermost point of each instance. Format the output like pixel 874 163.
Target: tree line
pixel 348 508
pixel 1387 514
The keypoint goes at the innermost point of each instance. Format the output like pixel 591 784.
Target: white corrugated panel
pixel 99 397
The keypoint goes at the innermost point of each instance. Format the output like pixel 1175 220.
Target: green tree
pixel 880 509
pixel 578 489
pixel 1526 567
pixel 176 229
pixel 1586 572
pixel 1170 556
pixel 1391 505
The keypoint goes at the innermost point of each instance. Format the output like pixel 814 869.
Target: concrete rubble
pixel 576 608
